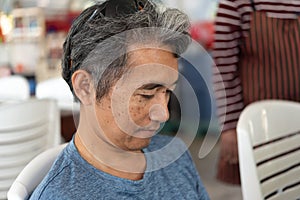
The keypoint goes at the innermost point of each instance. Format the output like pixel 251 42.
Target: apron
pixel 269 68
pixel 270 59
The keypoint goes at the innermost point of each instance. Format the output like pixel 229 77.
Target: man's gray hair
pixel 99 38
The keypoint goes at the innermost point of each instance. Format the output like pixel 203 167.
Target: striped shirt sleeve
pixel 227 85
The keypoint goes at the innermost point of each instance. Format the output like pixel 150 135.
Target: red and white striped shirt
pixel 231 25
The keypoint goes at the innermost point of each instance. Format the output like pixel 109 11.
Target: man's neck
pixel 123 165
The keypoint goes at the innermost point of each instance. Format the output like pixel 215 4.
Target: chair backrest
pixel 14 88
pixel 269 150
pixel 26 129
pixel 33 174
pixel 58 89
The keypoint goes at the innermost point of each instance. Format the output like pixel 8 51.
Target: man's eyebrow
pixel 151 86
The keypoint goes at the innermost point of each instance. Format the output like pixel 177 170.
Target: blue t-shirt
pixel 170 175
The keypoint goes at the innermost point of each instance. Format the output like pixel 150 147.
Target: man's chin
pixel 139 144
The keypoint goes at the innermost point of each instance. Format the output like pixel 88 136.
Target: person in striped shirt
pixel 257 56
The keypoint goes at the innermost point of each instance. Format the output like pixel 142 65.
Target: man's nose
pixel 159 111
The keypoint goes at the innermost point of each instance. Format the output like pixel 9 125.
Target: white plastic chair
pixel 33 174
pixel 14 88
pixel 58 89
pixel 26 129
pixel 269 150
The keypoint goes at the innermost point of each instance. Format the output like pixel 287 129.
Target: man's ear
pixel 83 86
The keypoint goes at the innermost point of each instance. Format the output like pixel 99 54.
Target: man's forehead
pixel 151 57
pixel 137 79
pixel 143 50
pixel 150 66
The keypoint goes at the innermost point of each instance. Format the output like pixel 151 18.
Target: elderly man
pixel 120 61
